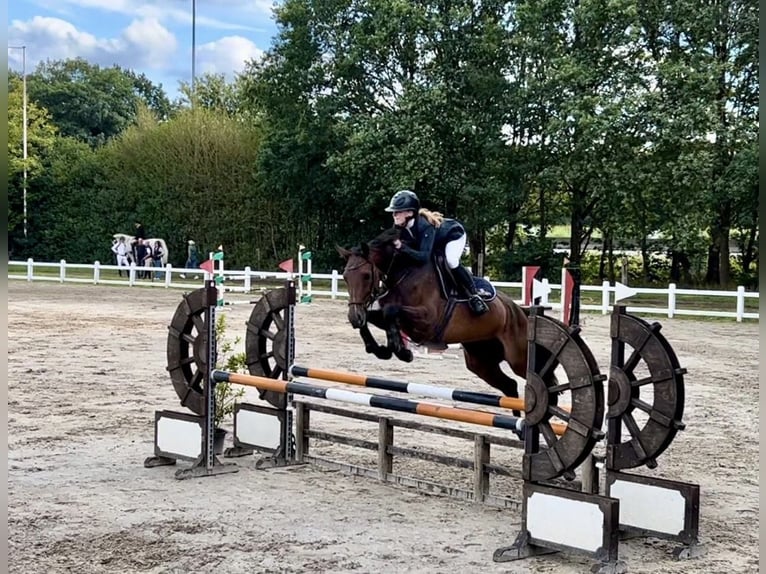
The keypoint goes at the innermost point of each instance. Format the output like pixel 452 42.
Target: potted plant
pixel 226 395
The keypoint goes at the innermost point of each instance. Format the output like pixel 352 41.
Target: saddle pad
pixel 484 288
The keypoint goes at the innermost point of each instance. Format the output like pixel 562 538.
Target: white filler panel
pixel 649 507
pixel 573 523
pixel 258 430
pixel 176 436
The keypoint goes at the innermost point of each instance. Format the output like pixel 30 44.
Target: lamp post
pixel 24 129
pixel 194 50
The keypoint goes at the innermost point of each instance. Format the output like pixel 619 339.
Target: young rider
pixel 422 230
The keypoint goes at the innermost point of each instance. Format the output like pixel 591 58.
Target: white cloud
pixel 226 55
pixel 145 43
pixel 177 11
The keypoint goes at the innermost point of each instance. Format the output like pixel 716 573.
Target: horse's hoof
pixel 405 355
pixel 383 353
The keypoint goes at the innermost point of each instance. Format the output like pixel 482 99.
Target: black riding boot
pixel 465 282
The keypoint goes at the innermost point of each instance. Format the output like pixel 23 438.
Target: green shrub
pixel 226 395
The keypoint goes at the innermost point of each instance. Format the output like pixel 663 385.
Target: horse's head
pixel 365 267
pixel 362 278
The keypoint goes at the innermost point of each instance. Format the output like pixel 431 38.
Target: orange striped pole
pixel 390 403
pixel 433 391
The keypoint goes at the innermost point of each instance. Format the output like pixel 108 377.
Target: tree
pixel 381 95
pixel 72 214
pixel 191 177
pixel 91 103
pixel 213 92
pixel 706 58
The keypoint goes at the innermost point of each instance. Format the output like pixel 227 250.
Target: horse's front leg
pixel 372 346
pixel 394 335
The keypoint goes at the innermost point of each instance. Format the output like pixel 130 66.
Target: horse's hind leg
pixel 483 358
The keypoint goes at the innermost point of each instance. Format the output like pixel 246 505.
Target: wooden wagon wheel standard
pixel 265 346
pixel 266 341
pixel 552 343
pixel 187 350
pixel 665 376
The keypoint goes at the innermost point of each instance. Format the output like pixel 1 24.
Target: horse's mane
pixel 386 237
pixel 379 249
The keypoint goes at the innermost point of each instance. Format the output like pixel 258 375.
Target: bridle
pixel 378 278
pixel 374 291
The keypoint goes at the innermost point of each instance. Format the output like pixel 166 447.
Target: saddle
pixel 448 284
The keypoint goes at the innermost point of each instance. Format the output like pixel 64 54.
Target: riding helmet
pixel 404 200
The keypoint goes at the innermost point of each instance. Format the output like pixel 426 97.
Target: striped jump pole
pixel 389 403
pixel 432 391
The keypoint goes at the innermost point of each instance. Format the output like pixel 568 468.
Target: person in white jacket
pixel 121 251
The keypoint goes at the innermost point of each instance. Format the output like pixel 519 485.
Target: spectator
pixel 192 257
pixel 147 261
pixel 139 253
pixel 133 255
pixel 120 250
pixel 157 254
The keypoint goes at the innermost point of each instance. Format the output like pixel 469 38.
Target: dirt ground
pixel 86 370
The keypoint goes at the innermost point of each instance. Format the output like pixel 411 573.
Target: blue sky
pixel 149 36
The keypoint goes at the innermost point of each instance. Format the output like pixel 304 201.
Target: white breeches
pixel 122 261
pixel 453 251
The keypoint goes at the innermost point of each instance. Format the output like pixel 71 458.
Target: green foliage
pixel 213 92
pixel 68 214
pixel 660 266
pixel 532 251
pixel 189 178
pixel 226 395
pixel 91 103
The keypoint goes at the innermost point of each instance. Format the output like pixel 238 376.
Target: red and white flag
pixel 286 266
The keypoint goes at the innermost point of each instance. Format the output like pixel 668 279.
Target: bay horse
pixel 412 301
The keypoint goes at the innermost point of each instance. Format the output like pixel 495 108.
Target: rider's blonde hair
pixel 433 217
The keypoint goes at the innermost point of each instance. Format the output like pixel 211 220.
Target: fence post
pixel 247 279
pixel 62 271
pixel 302 425
pixel 334 284
pixel 605 297
pixel 385 442
pixel 30 269
pixel 546 290
pixel 480 461
pixel 132 274
pixel 740 303
pixel 671 300
pixel 168 271
pixel 96 272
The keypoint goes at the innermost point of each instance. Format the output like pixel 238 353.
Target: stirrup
pixel 477 304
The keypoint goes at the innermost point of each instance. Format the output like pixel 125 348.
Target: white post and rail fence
pixel 671 301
